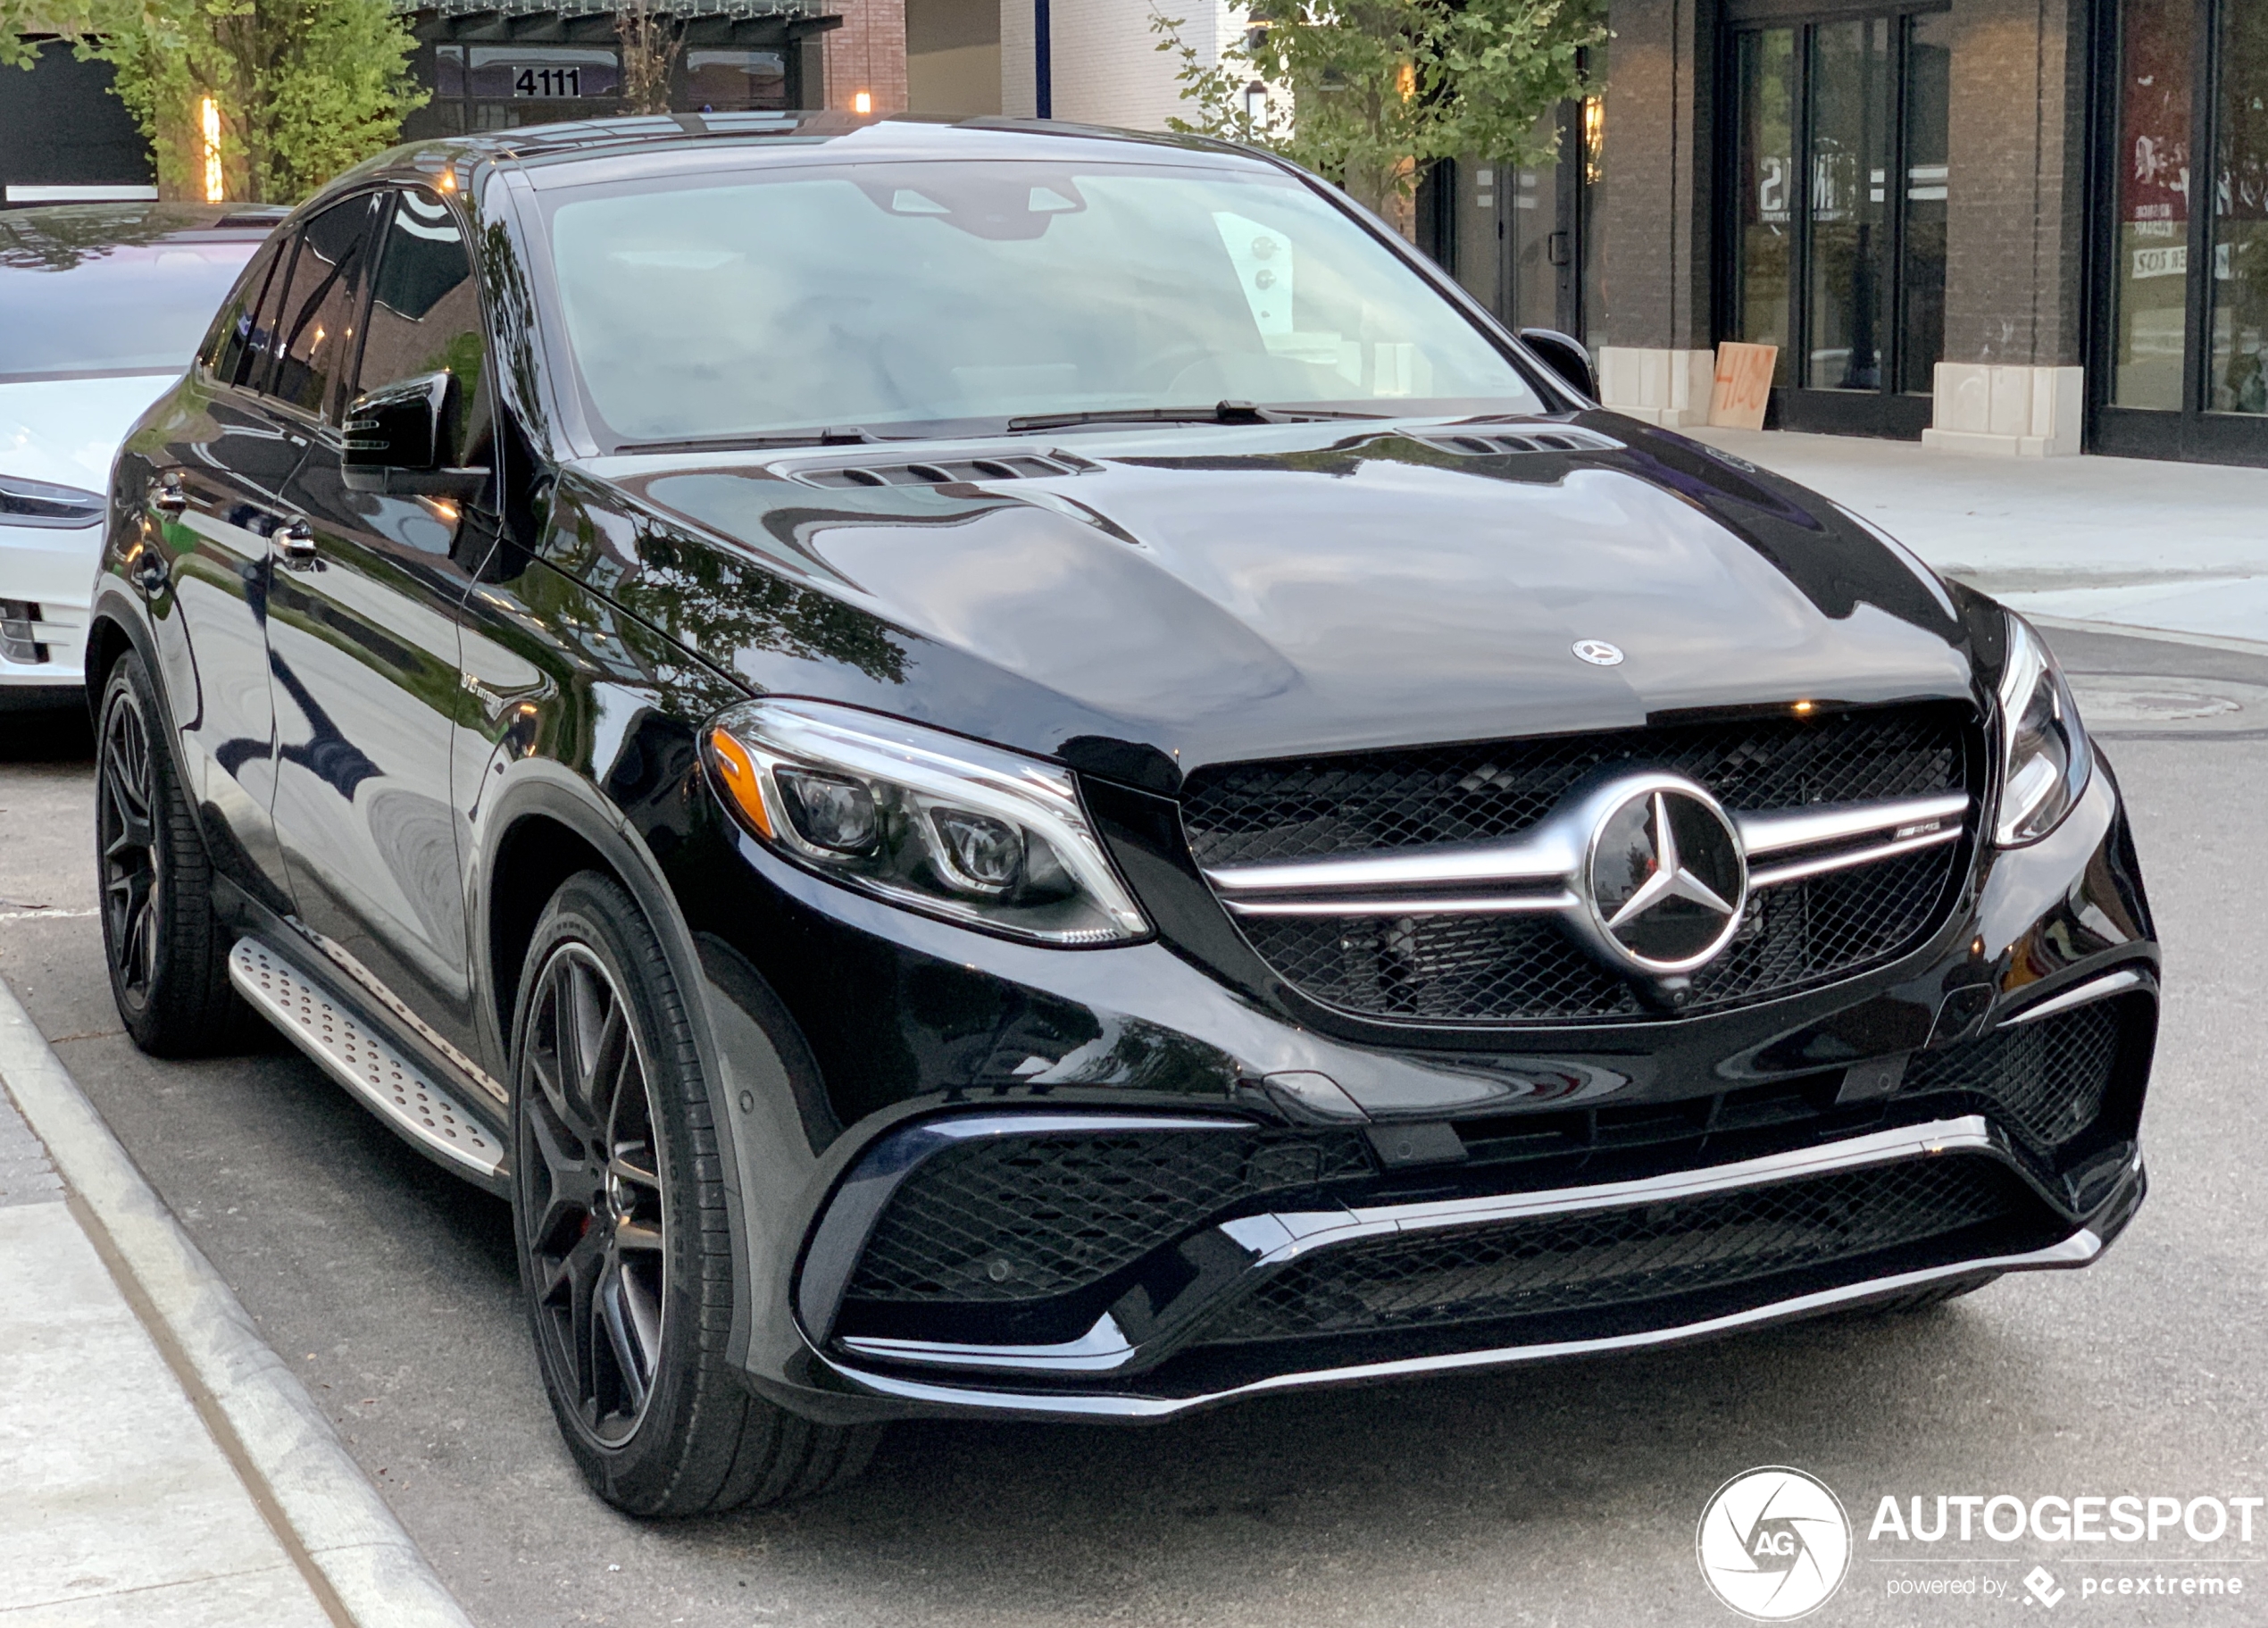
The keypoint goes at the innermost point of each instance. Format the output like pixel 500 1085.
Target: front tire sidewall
pixel 597 914
pixel 129 689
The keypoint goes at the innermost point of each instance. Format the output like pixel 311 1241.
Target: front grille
pixel 2047 1079
pixel 1022 1218
pixel 1452 969
pixel 1616 1257
pixel 1500 968
pixel 1298 808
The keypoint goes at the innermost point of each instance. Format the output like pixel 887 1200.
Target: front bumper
pixel 51 569
pixel 1507 1197
pixel 1041 1382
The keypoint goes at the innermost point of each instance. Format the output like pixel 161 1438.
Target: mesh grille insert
pixel 1480 968
pixel 2048 1078
pixel 1611 1257
pixel 1510 969
pixel 1296 808
pixel 1022 1218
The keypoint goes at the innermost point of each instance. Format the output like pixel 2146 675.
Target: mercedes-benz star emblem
pixel 1599 653
pixel 1666 879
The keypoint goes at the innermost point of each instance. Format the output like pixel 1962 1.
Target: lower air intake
pixel 1614 1257
pixel 1024 1218
pixel 2047 1079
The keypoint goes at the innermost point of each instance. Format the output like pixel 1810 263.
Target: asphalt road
pixel 1565 1494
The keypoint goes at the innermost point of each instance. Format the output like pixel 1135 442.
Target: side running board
pixel 366 1064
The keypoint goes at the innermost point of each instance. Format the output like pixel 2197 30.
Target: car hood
pixel 1222 594
pixel 67 430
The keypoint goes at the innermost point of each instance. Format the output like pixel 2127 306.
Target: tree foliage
pixel 304 87
pixel 653 37
pixel 1370 92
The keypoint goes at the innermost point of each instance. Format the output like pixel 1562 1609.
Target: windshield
pixel 967 294
pixel 135 308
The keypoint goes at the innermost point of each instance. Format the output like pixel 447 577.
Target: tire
pixel 623 1237
pixel 166 950
pixel 1936 1294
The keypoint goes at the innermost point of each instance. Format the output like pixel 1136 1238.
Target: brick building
pixel 1968 221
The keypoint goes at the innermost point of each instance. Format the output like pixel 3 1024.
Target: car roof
pixel 58 235
pixel 608 147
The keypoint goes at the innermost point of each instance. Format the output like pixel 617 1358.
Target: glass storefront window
pixel 726 81
pixel 1850 84
pixel 2240 213
pixel 1530 223
pixel 1929 95
pixel 1836 237
pixel 1764 239
pixel 2151 273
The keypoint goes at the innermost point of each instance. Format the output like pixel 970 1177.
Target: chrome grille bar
pixel 1536 870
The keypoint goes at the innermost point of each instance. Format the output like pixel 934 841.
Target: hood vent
pixel 943 472
pixel 1496 443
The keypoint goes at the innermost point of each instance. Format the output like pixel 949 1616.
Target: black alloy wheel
pixel 596 1224
pixel 165 945
pixel 626 1249
pixel 126 838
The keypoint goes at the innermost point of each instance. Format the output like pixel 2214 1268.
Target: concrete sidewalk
pixel 2117 542
pixel 122 1508
pixel 162 1465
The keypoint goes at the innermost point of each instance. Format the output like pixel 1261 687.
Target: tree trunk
pixel 1387 189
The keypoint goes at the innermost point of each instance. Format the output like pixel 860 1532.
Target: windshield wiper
pixel 1219 413
pixel 841 435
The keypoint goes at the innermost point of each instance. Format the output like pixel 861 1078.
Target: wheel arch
pixel 547 823
pixel 115 626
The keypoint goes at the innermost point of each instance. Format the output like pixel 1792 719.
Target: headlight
pixel 923 819
pixel 41 503
pixel 2045 760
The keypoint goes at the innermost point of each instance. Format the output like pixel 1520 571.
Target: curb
pixel 355 1555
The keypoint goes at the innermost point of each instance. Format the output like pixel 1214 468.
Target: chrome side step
pixel 365 1063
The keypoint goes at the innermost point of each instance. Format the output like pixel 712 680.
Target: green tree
pixel 302 88
pixel 1369 93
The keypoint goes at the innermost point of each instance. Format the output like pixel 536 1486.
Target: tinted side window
pixel 260 345
pixel 318 317
pixel 231 340
pixel 425 317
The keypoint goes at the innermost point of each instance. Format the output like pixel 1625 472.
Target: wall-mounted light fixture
pixel 216 190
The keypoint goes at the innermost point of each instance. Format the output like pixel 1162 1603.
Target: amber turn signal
pixel 738 771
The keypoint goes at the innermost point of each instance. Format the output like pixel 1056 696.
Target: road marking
pixel 44 916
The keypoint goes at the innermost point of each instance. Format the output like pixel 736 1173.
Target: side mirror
pixel 403 425
pixel 396 435
pixel 1564 357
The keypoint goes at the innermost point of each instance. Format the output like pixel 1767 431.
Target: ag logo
pixel 1774 1544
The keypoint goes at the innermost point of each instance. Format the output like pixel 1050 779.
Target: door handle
pixel 166 495
pixel 297 541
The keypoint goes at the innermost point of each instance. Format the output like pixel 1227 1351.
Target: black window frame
pixel 381 238
pixel 1898 409
pixel 325 418
pixel 2194 432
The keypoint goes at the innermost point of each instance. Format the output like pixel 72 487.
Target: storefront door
pixel 2183 302
pixel 1833 247
pixel 1525 242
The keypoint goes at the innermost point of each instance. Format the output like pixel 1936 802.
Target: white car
pixel 101 307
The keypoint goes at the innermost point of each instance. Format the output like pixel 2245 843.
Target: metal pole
pixel 1043 73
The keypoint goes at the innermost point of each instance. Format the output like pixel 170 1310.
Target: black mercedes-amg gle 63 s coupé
pixel 1005 770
